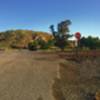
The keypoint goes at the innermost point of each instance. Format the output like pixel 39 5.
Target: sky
pixel 40 14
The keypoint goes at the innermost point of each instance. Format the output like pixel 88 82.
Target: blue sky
pixel 39 14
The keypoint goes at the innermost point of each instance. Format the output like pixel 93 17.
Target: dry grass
pixel 78 81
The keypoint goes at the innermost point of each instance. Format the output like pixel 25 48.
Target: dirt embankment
pixel 78 80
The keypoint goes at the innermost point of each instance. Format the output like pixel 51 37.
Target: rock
pixel 98 95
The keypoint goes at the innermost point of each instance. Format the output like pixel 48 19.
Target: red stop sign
pixel 78 35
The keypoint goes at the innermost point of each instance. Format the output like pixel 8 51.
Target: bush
pixel 42 44
pixel 45 45
pixel 33 45
pixel 90 42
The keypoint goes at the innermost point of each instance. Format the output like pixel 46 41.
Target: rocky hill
pixel 20 38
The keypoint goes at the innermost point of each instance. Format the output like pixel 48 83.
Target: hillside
pixel 20 38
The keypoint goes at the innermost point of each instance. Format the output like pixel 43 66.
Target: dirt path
pixel 26 75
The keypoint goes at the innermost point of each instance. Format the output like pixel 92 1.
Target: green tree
pixel 62 34
pixel 90 42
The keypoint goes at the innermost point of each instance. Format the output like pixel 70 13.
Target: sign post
pixel 78 37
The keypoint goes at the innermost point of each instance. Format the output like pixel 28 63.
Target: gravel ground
pixel 26 75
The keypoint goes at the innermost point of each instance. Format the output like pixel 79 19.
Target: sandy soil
pixel 26 75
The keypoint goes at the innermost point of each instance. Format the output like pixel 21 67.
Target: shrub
pixel 42 44
pixel 45 44
pixel 33 45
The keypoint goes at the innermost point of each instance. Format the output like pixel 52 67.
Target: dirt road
pixel 26 75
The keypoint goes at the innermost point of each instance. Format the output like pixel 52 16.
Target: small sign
pixel 78 35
